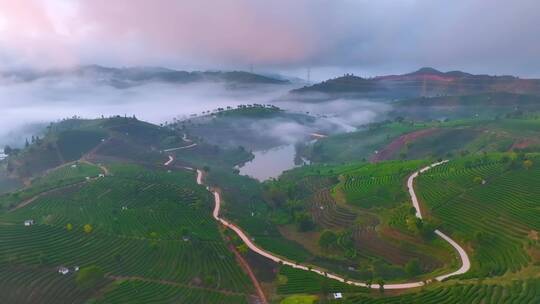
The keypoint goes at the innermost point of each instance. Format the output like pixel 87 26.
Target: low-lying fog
pixel 28 106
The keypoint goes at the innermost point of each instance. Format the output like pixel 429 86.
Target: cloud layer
pixel 485 36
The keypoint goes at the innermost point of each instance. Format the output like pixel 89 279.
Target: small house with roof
pixel 63 270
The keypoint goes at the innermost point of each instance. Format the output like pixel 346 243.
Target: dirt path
pixel 251 275
pixel 410 182
pixel 104 169
pixel 180 148
pixel 171 159
pixel 318 135
pixel 35 197
pixel 46 192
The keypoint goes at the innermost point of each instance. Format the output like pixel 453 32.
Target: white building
pixel 63 270
pixel 29 223
pixel 338 295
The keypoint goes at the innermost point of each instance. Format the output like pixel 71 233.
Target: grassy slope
pixel 359 145
pixel 473 136
pixel 447 139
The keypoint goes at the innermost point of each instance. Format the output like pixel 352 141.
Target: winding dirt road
pixel 410 185
pixel 180 148
pixel 168 162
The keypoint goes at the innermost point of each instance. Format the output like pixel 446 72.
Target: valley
pixel 259 204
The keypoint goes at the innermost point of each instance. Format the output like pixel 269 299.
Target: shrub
pixel 88 228
pixel 303 221
pixel 413 267
pixel 327 239
pixel 89 277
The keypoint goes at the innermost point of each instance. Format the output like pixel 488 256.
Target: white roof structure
pixel 63 270
pixel 338 295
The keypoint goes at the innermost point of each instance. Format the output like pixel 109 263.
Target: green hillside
pixel 101 199
pixel 155 227
pixel 490 203
pixel 404 139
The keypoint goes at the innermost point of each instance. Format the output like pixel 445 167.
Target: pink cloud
pixel 237 30
pixel 131 31
pixel 28 33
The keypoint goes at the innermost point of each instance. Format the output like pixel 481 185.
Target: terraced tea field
pixel 373 185
pixel 148 224
pixel 493 204
pixel 356 202
pixel 294 281
pixel 66 175
pixel 513 292
pixel 136 291
pixel 22 284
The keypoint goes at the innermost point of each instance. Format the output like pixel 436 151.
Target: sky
pixel 331 37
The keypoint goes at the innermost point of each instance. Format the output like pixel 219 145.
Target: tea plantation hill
pixel 110 207
pixel 128 233
pixel 413 139
pixel 488 203
pixel 491 204
pixel 355 219
pixel 124 139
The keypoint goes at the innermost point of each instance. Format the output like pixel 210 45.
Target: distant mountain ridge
pixel 131 76
pixel 425 82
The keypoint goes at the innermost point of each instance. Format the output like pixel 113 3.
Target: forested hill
pixel 426 82
pixel 125 77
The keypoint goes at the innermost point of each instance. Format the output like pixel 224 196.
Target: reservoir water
pixel 270 163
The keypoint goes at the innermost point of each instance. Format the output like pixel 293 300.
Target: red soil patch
pixel 522 144
pixel 397 144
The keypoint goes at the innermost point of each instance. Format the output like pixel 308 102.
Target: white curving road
pixel 465 261
pixel 168 162
pixel 180 148
pixel 410 183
